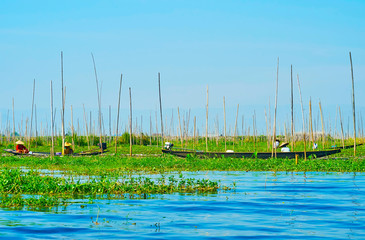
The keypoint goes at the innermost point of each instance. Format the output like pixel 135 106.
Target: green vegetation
pixel 119 176
pixel 19 188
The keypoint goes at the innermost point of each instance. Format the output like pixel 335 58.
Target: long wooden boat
pixel 348 146
pixel 262 155
pixel 47 154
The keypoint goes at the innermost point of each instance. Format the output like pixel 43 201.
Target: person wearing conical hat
pixel 20 148
pixel 68 149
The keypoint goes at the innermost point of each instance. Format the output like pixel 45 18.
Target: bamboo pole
pixel 150 129
pixel 52 121
pixel 13 125
pixel 225 133
pixel 31 118
pixel 130 124
pixel 310 121
pixel 159 91
pixel 99 103
pixel 235 127
pixel 86 128
pixel 353 103
pixel 342 134
pixel 276 104
pixel 116 132
pixel 301 103
pixel 206 122
pixel 72 130
pixel 194 132
pixel 254 129
pixel 35 122
pixel 292 108
pixel 181 137
pixel 322 122
pixel 267 132
pixel 63 108
pixel 110 124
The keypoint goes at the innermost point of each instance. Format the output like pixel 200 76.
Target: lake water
pixel 263 205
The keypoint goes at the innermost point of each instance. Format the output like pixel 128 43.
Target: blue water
pixel 263 205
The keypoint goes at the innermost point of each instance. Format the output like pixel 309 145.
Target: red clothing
pixel 21 149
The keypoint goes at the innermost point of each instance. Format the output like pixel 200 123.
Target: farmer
pixel 20 148
pixel 68 149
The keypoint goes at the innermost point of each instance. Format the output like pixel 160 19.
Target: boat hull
pixel 261 155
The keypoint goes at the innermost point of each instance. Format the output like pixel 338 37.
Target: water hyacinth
pixel 15 183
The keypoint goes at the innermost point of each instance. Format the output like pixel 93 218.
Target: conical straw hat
pixel 19 142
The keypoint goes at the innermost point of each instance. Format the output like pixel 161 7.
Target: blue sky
pixel 231 46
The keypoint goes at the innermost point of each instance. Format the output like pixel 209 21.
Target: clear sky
pixel 231 46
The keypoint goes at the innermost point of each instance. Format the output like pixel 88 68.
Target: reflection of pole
pixel 353 104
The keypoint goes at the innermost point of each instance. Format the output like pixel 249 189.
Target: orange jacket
pixel 21 149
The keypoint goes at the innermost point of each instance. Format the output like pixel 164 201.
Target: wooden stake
pixel 225 135
pixel 63 108
pixel 301 103
pixel 13 125
pixel 130 123
pixel 235 127
pixel 310 121
pixel 159 91
pixel 292 108
pixel 52 121
pixel 87 131
pixel 353 103
pixel 99 103
pixel 72 130
pixel 116 133
pixel 181 137
pixel 322 122
pixel 276 104
pixel 206 122
pixel 31 118
pixel 343 138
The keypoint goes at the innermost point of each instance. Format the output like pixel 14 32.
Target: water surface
pixel 263 205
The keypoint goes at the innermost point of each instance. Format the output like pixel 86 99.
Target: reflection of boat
pixel 263 155
pixel 46 154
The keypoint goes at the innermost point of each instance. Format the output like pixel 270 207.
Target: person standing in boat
pixel 277 143
pixel 20 148
pixel 68 149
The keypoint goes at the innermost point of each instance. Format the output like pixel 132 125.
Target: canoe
pixel 348 146
pixel 39 154
pixel 262 155
pixel 47 154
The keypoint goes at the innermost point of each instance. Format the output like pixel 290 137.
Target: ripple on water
pixel 264 205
